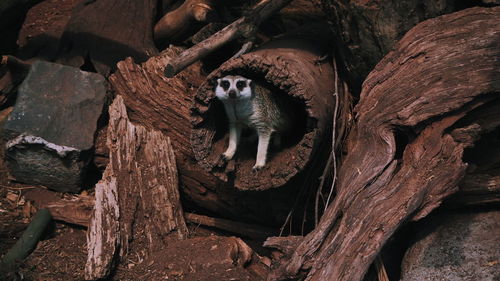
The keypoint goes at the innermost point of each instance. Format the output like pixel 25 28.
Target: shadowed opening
pixel 245 155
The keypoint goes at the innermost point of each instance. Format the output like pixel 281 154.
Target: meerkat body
pixel 249 105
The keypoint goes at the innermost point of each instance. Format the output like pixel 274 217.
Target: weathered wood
pixel 407 150
pixel 244 229
pixel 177 23
pixel 102 33
pixel 79 210
pixel 292 69
pixel 76 211
pixel 366 31
pixel 165 104
pixel 245 26
pixel 137 200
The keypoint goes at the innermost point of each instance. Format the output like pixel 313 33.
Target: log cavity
pixel 291 70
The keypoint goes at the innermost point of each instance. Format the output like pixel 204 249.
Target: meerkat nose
pixel 232 94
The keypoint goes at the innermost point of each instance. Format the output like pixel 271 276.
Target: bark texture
pixel 407 151
pixel 367 30
pixel 137 201
pixel 101 33
pixel 290 69
pixel 165 104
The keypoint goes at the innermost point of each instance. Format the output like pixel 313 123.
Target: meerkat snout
pixel 250 106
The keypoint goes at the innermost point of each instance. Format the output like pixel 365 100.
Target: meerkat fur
pixel 250 105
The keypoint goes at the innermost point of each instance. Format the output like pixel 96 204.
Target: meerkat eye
pixel 241 84
pixel 224 84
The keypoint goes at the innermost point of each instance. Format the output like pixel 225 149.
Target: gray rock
pixel 456 247
pixel 50 133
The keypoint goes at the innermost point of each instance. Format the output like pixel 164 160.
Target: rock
pixel 456 247
pixel 50 133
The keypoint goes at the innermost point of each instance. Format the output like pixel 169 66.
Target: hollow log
pixel 101 33
pixel 411 134
pixel 137 201
pixel 291 69
pixel 165 104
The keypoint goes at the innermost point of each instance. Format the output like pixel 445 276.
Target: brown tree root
pixel 412 130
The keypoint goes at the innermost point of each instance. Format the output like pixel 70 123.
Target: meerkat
pixel 250 105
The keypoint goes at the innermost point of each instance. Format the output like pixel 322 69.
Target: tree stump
pixel 137 201
pixel 413 126
pixel 292 69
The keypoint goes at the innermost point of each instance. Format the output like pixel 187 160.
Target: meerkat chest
pixel 240 111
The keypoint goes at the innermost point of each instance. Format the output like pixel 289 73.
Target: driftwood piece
pixel 291 69
pixel 176 23
pixel 101 33
pixel 410 138
pixel 245 26
pixel 164 104
pixel 137 201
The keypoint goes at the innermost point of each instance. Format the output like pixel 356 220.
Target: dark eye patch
pixel 224 84
pixel 241 84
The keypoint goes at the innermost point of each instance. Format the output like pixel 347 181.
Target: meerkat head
pixel 233 87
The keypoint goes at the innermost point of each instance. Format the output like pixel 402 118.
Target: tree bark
pixel 366 30
pixel 177 23
pixel 104 32
pixel 411 134
pixel 137 200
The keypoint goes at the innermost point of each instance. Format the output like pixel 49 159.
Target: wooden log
pixel 102 33
pixel 165 104
pixel 293 70
pixel 245 26
pixel 78 211
pixel 137 201
pixel 177 23
pixel 411 134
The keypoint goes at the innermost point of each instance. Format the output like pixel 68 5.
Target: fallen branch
pixel 28 241
pixel 244 26
pixel 78 212
pixel 244 229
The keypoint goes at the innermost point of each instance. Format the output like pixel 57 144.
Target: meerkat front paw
pixel 257 168
pixel 227 156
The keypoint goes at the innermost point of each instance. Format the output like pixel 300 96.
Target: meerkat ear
pixel 250 83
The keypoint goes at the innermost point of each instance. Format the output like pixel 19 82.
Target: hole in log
pixel 296 75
